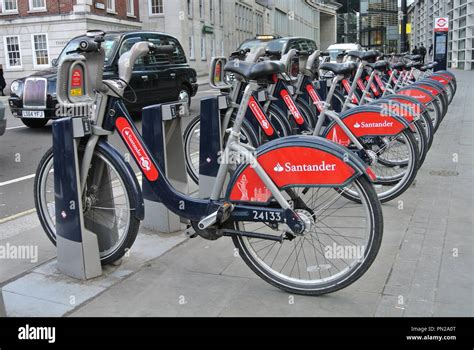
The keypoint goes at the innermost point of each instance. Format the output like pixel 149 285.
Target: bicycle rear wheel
pixel 338 246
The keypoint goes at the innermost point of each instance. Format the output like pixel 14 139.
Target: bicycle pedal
pixel 190 232
pixel 224 212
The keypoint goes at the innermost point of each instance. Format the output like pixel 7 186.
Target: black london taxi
pixel 155 79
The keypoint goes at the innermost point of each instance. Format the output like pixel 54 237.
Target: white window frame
pixel 33 52
pixel 213 47
pixel 192 54
pixel 132 8
pixel 150 9
pixel 9 11
pixel 112 8
pixel 36 9
pixel 7 59
pixel 221 12
pixel 202 10
pixel 203 49
pixel 190 9
pixel 212 11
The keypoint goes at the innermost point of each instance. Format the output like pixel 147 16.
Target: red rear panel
pixel 291 166
pixel 419 95
pixel 365 124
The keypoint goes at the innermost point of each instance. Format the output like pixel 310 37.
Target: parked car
pixel 3 119
pixel 156 78
pixel 280 44
pixel 336 49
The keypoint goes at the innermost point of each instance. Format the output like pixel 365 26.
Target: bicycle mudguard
pixel 445 73
pixel 415 105
pixel 432 86
pixel 366 120
pixel 442 78
pixel 127 171
pixel 298 160
pixel 422 95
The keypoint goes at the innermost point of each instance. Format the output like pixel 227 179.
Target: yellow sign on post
pixel 408 28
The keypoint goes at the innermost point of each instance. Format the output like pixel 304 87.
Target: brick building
pixel 33 32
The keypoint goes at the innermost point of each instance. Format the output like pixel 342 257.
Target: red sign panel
pixel 76 79
pixel 260 116
pixel 139 153
pixel 441 24
pixel 292 107
pixel 314 96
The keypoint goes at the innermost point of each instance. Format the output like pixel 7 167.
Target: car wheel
pixel 184 96
pixel 34 123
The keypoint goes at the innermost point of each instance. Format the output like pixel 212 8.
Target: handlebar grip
pixel 88 45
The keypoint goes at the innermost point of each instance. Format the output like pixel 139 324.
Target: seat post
pixel 357 76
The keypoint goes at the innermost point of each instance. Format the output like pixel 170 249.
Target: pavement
pixel 423 269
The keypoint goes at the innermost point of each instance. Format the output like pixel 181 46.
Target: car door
pixel 164 82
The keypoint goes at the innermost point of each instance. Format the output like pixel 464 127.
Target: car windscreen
pixel 272 45
pixel 334 53
pixel 109 44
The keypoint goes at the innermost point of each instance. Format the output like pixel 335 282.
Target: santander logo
pixel 288 167
pixel 384 124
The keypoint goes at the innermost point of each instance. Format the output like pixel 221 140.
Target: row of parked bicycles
pixel 309 152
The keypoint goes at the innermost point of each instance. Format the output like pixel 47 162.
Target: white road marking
pixel 9 182
pixel 16 127
pixel 16 216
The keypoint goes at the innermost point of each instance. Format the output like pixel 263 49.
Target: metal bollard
pixel 163 136
pixel 77 247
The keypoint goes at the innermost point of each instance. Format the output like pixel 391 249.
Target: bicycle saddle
pixel 379 65
pixel 413 57
pixel 254 71
pixel 397 66
pixel 339 68
pixel 363 55
pixel 414 65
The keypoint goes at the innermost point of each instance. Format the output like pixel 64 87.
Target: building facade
pixel 379 25
pixel 33 32
pixel 217 27
pixel 461 28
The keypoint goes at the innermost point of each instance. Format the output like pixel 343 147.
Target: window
pixel 111 6
pixel 462 22
pixel 9 6
pixel 463 11
pixel 462 33
pixel 222 48
pixel 191 47
pixel 201 9
pixel 221 13
pixel 156 7
pixel 462 44
pixel 130 8
pixel 190 8
pixel 203 49
pixel 211 10
pixel 12 52
pixel 213 48
pixel 40 50
pixel 37 5
pixel 461 55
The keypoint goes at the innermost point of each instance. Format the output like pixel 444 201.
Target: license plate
pixel 33 114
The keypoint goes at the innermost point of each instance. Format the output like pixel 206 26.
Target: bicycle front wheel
pixel 106 204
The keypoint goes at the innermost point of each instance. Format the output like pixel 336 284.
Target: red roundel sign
pixel 441 24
